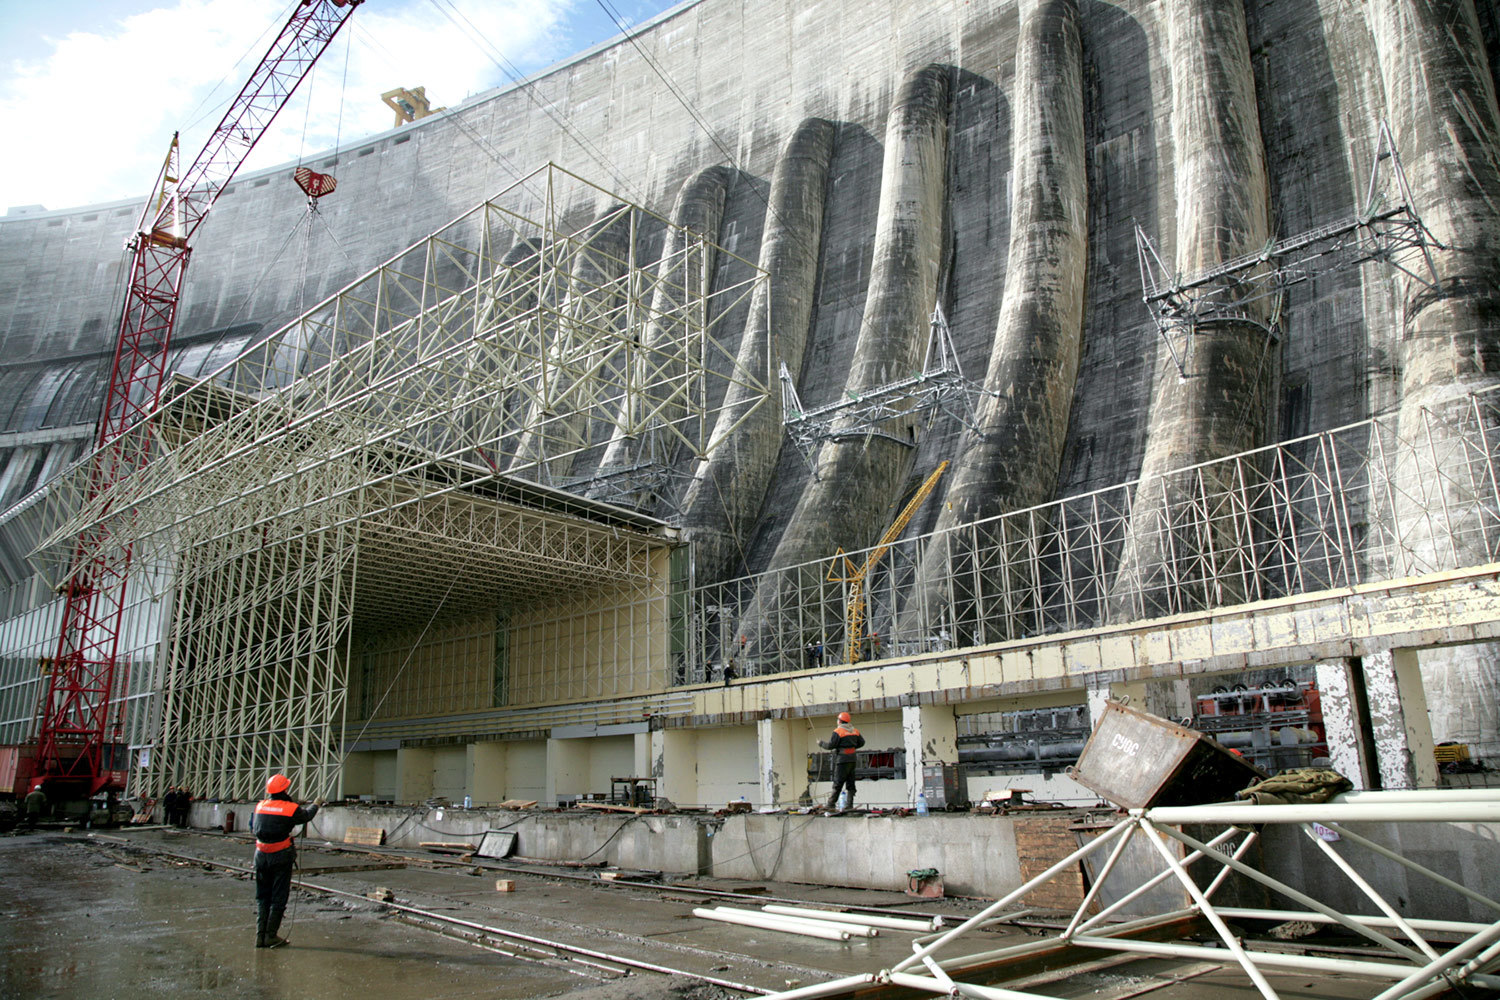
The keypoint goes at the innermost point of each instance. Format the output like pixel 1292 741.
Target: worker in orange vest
pixel 275 855
pixel 844 741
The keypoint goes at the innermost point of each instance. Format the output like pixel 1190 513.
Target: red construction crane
pixel 77 743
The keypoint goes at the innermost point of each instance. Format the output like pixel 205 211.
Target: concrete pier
pixel 859 475
pixel 1215 404
pixel 1440 99
pixel 1012 463
pixel 728 489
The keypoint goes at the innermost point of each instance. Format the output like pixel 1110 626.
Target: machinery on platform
pixel 1278 725
pixel 858 644
pixel 80 719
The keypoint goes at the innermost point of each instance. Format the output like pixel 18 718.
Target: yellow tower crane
pixel 855 611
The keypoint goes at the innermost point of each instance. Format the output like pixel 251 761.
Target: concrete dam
pixel 1135 240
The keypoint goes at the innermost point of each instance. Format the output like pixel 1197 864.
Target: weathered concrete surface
pixel 977 855
pixel 77 924
pixel 1319 80
pixel 860 475
pixel 1012 461
pixel 1209 400
pixel 1456 608
pixel 724 500
pixel 1441 100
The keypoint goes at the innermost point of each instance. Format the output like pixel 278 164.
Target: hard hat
pixel 844 717
pixel 278 783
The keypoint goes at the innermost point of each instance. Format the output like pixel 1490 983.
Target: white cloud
pixel 89 118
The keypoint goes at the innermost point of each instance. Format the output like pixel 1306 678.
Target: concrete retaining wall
pixel 977 855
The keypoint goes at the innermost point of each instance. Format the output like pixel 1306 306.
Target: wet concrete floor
pixel 125 914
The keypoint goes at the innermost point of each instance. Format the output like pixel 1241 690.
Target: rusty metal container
pixel 1135 760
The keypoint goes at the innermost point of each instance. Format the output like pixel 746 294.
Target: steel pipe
pixel 893 923
pixel 833 986
pixel 853 928
pixel 1251 913
pixel 1364 886
pixel 1010 897
pixel 1476 945
pixel 770 922
pixel 1326 812
pixel 1386 852
pixel 931 985
pixel 1385 941
pixel 1309 963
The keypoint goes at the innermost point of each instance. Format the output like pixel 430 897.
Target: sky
pixel 92 90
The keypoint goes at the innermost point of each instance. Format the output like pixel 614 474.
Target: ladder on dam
pixel 939 387
pixel 1385 229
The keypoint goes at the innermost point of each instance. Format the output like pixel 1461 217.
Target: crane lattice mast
pixel 74 731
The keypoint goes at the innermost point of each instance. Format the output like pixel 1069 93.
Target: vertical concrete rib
pixel 859 475
pixel 509 296
pixel 1440 98
pixel 1012 462
pixel 724 500
pixel 1218 405
pixel 682 273
pixel 554 430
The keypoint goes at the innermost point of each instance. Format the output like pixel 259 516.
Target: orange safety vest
pixel 275 807
pixel 841 732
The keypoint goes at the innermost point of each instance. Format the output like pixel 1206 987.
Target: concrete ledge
pixel 977 855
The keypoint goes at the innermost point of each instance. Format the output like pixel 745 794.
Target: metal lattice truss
pixel 1385 228
pixel 1382 499
pixel 1403 958
pixel 374 465
pixel 940 387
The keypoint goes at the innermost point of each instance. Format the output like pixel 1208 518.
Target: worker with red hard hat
pixel 844 741
pixel 275 854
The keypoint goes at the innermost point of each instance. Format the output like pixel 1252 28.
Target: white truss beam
pixel 384 460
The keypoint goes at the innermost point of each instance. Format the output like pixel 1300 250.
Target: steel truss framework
pixel 1380 499
pixel 1384 228
pixel 371 468
pixel 1404 952
pixel 940 387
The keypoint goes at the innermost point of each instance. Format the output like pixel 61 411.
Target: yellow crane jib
pixel 855 576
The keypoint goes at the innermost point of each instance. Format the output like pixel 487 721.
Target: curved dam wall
pixel 1441 99
pixel 1010 459
pixel 993 155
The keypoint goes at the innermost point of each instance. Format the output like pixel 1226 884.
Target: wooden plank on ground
pixel 517 804
pixel 446 847
pixel 365 836
pixel 607 807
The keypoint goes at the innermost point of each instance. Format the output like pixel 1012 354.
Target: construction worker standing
pixel 844 741
pixel 35 804
pixel 275 854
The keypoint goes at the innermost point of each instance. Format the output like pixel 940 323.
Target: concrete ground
pixel 127 914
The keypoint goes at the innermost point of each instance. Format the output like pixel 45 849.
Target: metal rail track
pixel 513 943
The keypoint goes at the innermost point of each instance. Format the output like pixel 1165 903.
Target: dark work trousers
pixel 273 885
pixel 843 777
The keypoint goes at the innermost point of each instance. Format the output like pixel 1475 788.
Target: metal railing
pixel 1395 496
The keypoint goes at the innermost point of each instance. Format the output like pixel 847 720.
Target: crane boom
pixel 855 614
pixel 73 737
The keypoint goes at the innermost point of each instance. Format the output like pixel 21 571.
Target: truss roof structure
pixel 388 459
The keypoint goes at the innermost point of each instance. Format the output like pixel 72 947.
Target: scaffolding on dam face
pixel 376 468
pixel 1385 227
pixel 1382 499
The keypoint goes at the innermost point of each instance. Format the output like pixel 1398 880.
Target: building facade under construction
pixel 962 365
